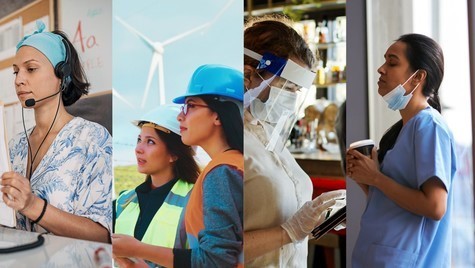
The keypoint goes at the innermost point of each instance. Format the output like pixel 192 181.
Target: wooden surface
pixel 320 164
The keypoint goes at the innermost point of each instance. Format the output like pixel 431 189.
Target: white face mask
pixel 278 102
pixel 396 99
pixel 251 94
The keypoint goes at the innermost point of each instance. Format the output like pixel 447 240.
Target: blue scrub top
pixel 391 236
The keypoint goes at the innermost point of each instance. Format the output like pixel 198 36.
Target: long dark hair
pixel 423 53
pixel 231 120
pixel 185 167
pixel 79 85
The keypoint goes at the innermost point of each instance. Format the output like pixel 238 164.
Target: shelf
pixel 329 84
pixel 322 24
pixel 328 45
pixel 279 7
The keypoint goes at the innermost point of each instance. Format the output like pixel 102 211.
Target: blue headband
pixel 50 44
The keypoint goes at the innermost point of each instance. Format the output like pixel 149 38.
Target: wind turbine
pixel 158 50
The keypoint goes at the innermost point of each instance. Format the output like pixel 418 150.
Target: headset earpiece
pixel 62 70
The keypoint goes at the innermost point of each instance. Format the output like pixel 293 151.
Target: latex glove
pixel 311 214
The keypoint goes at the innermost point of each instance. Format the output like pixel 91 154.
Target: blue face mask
pixel 396 99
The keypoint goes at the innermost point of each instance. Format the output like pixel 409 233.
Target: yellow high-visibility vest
pixel 167 228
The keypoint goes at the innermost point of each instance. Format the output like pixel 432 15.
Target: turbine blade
pixel 221 12
pixel 153 65
pixel 147 41
pixel 182 35
pixel 203 26
pixel 124 100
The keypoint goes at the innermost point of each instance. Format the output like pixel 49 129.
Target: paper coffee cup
pixel 363 146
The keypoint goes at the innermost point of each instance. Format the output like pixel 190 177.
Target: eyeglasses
pixel 185 107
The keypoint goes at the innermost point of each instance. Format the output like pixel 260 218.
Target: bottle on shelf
pixel 322 32
pixel 320 73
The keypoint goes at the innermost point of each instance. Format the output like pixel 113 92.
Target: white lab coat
pixel 275 187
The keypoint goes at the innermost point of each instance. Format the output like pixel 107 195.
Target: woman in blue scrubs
pixel 409 179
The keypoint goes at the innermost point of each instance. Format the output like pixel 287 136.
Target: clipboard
pixel 330 223
pixel 7 214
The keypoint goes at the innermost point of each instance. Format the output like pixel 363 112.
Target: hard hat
pixel 163 118
pixel 214 79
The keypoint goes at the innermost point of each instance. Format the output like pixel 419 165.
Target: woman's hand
pixel 361 168
pixel 128 263
pixel 311 214
pixel 17 192
pixel 124 245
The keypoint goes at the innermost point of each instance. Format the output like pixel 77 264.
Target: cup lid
pixel 361 143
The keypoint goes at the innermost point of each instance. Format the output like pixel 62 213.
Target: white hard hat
pixel 163 118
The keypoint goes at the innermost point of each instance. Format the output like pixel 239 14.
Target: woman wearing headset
pixel 211 118
pixel 154 211
pixel 62 172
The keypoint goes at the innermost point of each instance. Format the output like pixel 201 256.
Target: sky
pixel 158 20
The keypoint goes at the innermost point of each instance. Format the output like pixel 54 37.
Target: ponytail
pixel 423 53
pixel 435 102
pixel 388 140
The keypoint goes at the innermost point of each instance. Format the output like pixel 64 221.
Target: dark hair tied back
pixel 78 85
pixel 423 53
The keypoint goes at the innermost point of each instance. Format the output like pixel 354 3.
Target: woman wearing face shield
pixel 407 221
pixel 278 210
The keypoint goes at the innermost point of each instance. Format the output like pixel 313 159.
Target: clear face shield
pixel 279 98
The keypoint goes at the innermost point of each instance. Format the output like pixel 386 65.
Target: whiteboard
pixel 88 24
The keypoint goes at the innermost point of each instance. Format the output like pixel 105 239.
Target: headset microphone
pixel 32 102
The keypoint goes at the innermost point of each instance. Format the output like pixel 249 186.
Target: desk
pixel 320 164
pixel 57 251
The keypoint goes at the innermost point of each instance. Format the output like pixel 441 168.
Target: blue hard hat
pixel 215 79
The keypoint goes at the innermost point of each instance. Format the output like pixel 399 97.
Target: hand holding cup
pixel 362 162
pixel 363 146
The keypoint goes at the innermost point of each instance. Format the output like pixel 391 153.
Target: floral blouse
pixel 75 175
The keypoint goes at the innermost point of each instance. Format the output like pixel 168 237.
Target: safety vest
pixel 194 212
pixel 167 228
